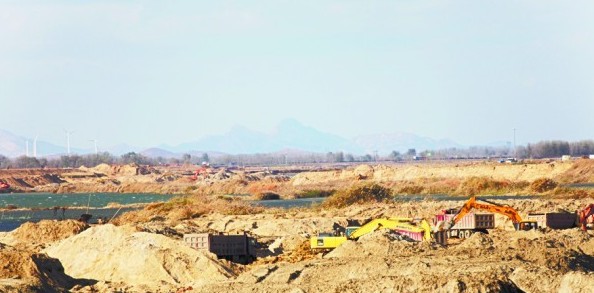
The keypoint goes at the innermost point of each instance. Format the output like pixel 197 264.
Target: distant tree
pixel 133 157
pixel 205 158
pixel 367 158
pixel 411 152
pixel 26 162
pixel 4 161
pixel 330 157
pixel 339 157
pixel 394 156
pixel 186 158
pixel 349 158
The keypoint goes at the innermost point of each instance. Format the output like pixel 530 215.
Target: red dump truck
pixel 238 248
pixel 468 225
pixel 554 220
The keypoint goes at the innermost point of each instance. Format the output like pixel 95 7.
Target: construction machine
pixel 418 230
pixel 493 207
pixel 586 214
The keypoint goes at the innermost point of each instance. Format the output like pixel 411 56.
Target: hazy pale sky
pixel 151 72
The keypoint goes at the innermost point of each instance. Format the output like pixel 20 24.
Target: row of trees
pixel 543 149
pixel 75 161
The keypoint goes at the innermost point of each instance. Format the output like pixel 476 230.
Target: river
pixel 34 207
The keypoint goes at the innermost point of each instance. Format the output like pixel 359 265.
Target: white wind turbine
pixel 95 142
pixel 35 147
pixel 68 133
pixel 27 147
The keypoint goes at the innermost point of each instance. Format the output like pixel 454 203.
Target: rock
pixel 577 282
pixel 535 280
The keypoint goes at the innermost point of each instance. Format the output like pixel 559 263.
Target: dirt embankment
pixel 408 178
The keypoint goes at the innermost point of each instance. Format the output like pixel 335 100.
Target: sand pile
pixel 46 231
pixel 117 254
pixel 101 168
pixel 378 243
pixel 26 271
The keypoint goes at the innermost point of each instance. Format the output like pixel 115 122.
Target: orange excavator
pixel 489 206
pixel 584 214
pixel 203 170
pixel 4 185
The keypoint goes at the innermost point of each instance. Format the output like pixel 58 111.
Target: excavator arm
pixel 472 203
pixel 389 223
pixel 584 214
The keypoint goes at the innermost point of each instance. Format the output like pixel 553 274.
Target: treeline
pixel 543 149
pixel 540 150
pixel 556 148
pixel 76 161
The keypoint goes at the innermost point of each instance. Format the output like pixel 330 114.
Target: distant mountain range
pixel 289 135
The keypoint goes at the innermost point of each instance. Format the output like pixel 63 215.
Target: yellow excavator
pixel 416 230
pixel 493 207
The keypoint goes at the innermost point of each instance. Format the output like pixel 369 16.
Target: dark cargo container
pixel 554 220
pixel 237 248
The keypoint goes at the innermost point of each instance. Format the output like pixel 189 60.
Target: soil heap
pixel 151 261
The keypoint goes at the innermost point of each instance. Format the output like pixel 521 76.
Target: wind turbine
pixel 27 148
pixel 68 133
pixel 35 147
pixel 95 142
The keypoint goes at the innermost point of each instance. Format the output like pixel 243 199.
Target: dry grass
pixel 188 207
pixel 543 185
pixel 360 194
pixel 485 185
pixel 582 171
pixel 562 192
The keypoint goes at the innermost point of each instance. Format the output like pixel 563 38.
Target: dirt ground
pixel 150 256
pixel 180 180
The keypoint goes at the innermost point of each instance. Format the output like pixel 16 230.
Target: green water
pixel 97 200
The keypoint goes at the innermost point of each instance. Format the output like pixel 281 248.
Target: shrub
pixel 267 196
pixel 543 185
pixel 410 189
pixel 314 193
pixel 481 185
pixel 358 195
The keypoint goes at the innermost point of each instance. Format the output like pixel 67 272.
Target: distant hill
pixel 12 145
pixel 401 141
pixel 288 135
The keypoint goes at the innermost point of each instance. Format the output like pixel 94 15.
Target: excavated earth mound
pixel 117 254
pixel 26 271
pixel 46 231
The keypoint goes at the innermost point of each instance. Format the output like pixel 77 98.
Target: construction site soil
pixel 144 252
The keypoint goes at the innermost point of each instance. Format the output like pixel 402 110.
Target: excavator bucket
pixel 440 237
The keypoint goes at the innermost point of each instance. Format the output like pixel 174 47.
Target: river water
pixel 35 207
pixel 40 206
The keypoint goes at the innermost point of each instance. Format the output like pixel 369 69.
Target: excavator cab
pixel 349 230
pixel 526 225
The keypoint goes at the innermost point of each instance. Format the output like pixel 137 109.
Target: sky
pixel 152 72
